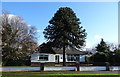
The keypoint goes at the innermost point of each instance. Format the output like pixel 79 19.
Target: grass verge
pixel 63 75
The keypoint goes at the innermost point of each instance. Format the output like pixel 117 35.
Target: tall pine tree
pixel 64 30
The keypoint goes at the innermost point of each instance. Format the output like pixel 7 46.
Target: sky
pixel 100 19
pixel 60 0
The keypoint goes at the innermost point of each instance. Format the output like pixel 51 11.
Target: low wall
pixel 38 64
pixel 73 68
pixel 52 63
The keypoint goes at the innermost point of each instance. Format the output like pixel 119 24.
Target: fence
pixel 82 68
pixel 76 68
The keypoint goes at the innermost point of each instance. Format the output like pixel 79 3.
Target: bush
pixel 99 57
pixel 117 57
pixel 19 62
pixel 114 57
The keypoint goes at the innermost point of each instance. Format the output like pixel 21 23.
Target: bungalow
pixel 55 56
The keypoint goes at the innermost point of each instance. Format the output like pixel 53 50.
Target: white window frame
pixel 72 58
pixel 43 57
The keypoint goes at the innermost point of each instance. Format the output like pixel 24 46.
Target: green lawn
pixel 52 74
pixel 62 75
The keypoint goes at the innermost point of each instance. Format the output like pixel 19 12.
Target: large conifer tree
pixel 64 30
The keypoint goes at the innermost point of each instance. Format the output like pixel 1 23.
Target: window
pixel 43 57
pixel 73 57
pixel 69 57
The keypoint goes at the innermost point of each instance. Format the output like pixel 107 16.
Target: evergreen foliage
pixel 99 57
pixel 102 47
pixel 64 30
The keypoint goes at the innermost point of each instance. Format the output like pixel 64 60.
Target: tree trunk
pixel 64 59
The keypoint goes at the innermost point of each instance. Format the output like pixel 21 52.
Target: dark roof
pixel 68 51
pixel 47 50
pixel 60 51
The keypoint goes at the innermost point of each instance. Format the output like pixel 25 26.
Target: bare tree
pixel 18 39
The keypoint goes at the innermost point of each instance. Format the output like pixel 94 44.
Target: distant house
pixel 55 56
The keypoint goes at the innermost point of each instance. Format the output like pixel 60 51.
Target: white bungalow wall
pixel 82 58
pixel 60 57
pixel 51 57
pixel 35 57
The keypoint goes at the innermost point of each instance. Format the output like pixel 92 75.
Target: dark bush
pixel 99 57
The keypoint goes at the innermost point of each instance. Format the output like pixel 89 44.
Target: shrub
pixel 99 57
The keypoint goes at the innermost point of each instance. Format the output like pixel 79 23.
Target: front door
pixel 57 59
